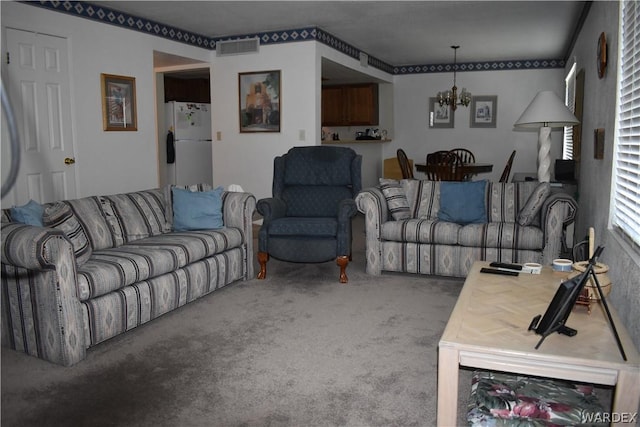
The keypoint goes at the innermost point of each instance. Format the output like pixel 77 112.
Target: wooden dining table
pixel 466 169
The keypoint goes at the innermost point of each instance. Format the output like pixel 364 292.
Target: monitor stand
pixel 561 329
pixel 606 309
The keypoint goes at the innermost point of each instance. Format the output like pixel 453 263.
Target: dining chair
pixel 507 169
pixel 466 157
pixel 445 168
pixel 436 156
pixel 406 166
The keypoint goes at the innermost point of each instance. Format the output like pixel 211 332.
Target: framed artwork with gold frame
pixel 118 103
pixel 259 96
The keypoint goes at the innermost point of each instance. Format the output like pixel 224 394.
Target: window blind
pixel 570 102
pixel 626 168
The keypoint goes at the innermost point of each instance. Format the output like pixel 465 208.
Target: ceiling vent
pixel 237 47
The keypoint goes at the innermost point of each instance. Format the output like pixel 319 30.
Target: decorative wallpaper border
pixel 520 64
pixel 109 16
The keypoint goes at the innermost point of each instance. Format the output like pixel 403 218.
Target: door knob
pixel 69 160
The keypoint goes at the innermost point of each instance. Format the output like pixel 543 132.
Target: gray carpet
pixel 296 349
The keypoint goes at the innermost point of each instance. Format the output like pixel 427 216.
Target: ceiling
pixel 396 32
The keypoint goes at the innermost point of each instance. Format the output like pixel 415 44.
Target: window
pixel 626 167
pixel 570 102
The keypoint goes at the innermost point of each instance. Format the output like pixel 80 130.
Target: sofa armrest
pixel 347 209
pixel 558 211
pixel 28 246
pixel 41 312
pixel 271 208
pixel 372 203
pixel 237 211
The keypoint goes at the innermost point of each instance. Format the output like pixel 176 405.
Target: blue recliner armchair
pixel 308 219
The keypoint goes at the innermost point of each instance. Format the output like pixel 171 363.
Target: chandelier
pixel 450 97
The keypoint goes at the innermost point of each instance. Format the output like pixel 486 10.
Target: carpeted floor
pixel 296 349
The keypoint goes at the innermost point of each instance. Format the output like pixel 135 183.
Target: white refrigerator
pixel 190 124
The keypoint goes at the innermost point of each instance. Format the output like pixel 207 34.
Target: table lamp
pixel 546 111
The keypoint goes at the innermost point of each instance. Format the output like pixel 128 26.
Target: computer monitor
pixel 560 307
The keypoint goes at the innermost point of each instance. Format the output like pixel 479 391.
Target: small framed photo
pixel 598 141
pixel 259 101
pixel 483 111
pixel 118 103
pixel 440 116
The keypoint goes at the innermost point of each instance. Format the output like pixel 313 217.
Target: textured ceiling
pixel 396 32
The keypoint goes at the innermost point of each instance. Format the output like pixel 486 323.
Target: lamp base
pixel 544 159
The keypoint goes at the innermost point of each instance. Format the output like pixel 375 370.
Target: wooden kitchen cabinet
pixel 187 90
pixel 350 105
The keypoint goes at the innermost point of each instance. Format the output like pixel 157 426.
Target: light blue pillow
pixel 197 210
pixel 31 213
pixel 463 202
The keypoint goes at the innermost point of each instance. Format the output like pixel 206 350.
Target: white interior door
pixel 38 86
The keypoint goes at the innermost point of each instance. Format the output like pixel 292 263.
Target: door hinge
pixel 8 58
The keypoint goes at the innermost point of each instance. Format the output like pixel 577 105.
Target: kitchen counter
pixel 353 141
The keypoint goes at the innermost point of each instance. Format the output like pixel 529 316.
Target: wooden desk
pixel 466 169
pixel 488 329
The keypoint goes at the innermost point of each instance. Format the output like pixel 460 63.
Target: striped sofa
pixel 58 299
pixel 422 243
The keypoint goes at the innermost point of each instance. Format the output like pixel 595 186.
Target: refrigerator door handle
pixel 171 148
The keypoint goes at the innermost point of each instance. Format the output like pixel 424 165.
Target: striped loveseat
pixel 405 230
pixel 121 265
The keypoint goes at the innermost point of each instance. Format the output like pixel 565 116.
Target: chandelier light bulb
pixel 450 97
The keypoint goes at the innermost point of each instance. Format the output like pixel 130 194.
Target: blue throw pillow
pixel 463 202
pixel 197 210
pixel 31 213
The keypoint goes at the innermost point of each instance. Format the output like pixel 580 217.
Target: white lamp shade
pixel 546 110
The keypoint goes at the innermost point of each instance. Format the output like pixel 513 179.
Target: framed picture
pixel 118 102
pixel 483 111
pixel 598 141
pixel 259 101
pixel 440 116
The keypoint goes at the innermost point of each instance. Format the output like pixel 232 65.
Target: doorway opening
pixel 177 79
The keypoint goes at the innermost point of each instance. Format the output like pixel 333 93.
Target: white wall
pixel 247 158
pixel 106 162
pixel 514 89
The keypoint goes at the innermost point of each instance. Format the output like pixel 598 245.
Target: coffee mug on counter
pixel 562 264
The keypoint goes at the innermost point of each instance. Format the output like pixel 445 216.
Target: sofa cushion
pixel 197 210
pixel 463 202
pixel 396 198
pixel 89 212
pixel 421 231
pixel 314 200
pixel 328 166
pixel 116 312
pixel 60 215
pixel 531 209
pixel 138 214
pixel 306 226
pixel 30 213
pixel 423 196
pixel 113 220
pixel 111 269
pixel 507 235
pixel 5 215
pixel 505 199
pixel 168 198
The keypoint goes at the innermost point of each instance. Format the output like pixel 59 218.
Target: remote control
pixel 497 271
pixel 505 265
